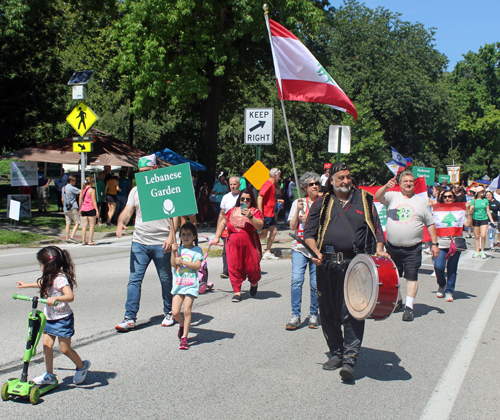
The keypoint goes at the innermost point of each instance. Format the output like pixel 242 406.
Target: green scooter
pixel 22 387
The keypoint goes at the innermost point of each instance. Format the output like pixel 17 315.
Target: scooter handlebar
pixel 28 298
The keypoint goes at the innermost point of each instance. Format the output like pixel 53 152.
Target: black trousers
pixel 334 315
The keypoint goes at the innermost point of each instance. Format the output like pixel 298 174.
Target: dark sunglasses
pixel 247 199
pixel 313 183
pixel 447 196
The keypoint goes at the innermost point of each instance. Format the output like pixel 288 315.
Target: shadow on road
pixel 462 295
pixel 262 295
pixel 204 336
pixel 94 379
pixel 425 271
pixel 421 309
pixel 380 365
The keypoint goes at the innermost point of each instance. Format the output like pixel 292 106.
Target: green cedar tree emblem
pixel 449 219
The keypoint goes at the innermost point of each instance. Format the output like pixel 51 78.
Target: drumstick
pixel 307 247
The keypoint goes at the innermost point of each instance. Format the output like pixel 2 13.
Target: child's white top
pixel 63 309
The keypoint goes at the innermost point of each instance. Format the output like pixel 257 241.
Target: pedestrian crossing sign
pixel 82 118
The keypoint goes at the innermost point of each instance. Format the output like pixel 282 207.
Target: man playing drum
pixel 341 224
pixel 407 213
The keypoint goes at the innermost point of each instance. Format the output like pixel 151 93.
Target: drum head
pixel 361 286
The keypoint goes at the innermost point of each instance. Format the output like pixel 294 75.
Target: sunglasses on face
pixel 247 199
pixel 447 196
pixel 313 183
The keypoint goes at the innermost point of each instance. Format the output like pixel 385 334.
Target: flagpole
pixel 266 17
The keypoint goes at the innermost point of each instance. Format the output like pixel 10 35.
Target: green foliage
pixel 179 74
pixel 475 85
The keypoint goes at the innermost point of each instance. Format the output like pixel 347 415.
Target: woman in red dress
pixel 242 243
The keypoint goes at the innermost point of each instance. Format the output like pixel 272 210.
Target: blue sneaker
pixel 81 374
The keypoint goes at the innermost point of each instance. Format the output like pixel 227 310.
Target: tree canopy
pixel 179 74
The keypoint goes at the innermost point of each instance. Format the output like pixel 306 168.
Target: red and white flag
pixel 449 218
pixel 300 77
pixel 420 189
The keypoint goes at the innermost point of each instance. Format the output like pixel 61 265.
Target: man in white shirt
pixel 407 214
pixel 228 202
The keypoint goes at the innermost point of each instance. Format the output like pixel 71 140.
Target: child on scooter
pixel 56 284
pixel 186 260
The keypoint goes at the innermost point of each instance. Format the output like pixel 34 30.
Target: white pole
pixel 82 170
pixel 291 151
pixel 278 77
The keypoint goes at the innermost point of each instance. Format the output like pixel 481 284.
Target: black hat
pixel 340 166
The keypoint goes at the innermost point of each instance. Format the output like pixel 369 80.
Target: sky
pixel 461 26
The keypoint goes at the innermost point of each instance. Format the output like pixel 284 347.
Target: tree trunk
pixel 210 125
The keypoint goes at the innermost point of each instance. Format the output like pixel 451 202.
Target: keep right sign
pixel 259 126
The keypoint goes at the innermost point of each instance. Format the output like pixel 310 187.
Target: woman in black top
pixel 494 209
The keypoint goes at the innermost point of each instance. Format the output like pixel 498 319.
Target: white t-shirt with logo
pixel 406 218
pixel 147 233
pixel 296 246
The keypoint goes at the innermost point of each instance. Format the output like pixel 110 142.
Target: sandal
pixel 84 243
pixel 93 243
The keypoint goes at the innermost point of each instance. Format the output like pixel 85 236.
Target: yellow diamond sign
pixel 257 174
pixel 82 118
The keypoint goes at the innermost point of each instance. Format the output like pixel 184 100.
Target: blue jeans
pixel 140 257
pixel 299 266
pixel 451 266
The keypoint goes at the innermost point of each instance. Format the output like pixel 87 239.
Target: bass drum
pixel 371 287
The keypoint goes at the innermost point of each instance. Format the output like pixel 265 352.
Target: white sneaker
pixel 440 292
pixel 80 375
pixel 168 321
pixel 45 379
pixel 449 297
pixel 269 256
pixel 126 325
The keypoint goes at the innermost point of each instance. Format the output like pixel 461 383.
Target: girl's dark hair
pixel 55 260
pixel 192 228
pixel 253 202
pixel 441 196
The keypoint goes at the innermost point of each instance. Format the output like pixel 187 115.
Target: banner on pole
pixel 454 173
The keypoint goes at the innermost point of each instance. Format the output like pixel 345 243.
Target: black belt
pixel 335 258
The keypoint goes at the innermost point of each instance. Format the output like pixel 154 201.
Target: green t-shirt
pixel 100 191
pixel 243 183
pixel 480 209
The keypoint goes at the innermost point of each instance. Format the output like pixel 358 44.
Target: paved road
pixel 242 364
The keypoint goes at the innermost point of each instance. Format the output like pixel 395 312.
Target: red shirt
pixel 268 194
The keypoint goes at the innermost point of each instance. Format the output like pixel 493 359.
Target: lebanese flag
pixel 300 77
pixel 449 218
pixel 420 189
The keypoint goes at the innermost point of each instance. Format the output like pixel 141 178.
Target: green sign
pixel 428 173
pixel 166 192
pixel 441 178
pixel 53 170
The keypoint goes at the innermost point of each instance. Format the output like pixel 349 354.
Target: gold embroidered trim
pixel 368 214
pixel 324 219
